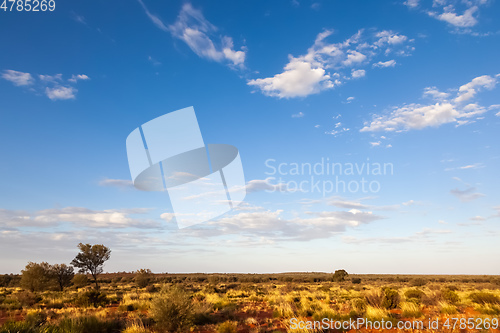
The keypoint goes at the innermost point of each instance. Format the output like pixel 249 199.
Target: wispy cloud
pixel 467 195
pixel 327 65
pixel 119 183
pixel 18 78
pixel 443 110
pixel 298 115
pixel 384 64
pixel 461 16
pixel 201 36
pixel 53 86
pixel 81 216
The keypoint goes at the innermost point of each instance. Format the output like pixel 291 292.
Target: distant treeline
pixel 13 280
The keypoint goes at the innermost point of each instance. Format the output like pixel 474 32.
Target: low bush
pixel 484 298
pixel 450 296
pixel 172 310
pixel 227 327
pixel 390 299
pixel 418 282
pixel 91 298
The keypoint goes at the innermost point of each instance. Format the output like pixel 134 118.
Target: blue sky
pixel 413 85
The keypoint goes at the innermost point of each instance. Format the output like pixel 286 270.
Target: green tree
pixel 63 274
pixel 36 276
pixel 91 259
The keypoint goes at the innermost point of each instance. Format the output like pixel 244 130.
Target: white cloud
pixel 467 19
pixel 353 57
pixel 469 90
pixel 375 144
pixel 18 78
pixel 357 73
pixel 443 111
pixel 272 225
pixel 461 16
pixel 388 37
pixel 51 78
pixel 298 115
pixel 120 183
pixel 435 94
pixel 383 64
pixel 350 99
pixel 51 85
pixel 325 64
pixel 411 3
pixel 75 78
pixel 60 93
pixel 299 79
pixel 469 194
pixel 258 185
pixel 80 216
pixel 200 35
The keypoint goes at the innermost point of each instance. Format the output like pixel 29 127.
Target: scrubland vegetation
pixel 145 302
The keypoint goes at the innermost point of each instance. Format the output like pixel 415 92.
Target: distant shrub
pixel 143 277
pixel 418 282
pixel 390 299
pixel 450 296
pixel 414 293
pixel 339 275
pixel 356 280
pixel 92 298
pixel 484 298
pixel 172 310
pixel 227 327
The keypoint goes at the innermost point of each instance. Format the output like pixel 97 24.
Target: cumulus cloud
pixel 443 110
pixel 18 78
pixel 298 115
pixel 201 36
pixel 327 65
pixel 357 73
pixel 60 92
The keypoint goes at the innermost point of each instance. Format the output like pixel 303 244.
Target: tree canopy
pixel 91 259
